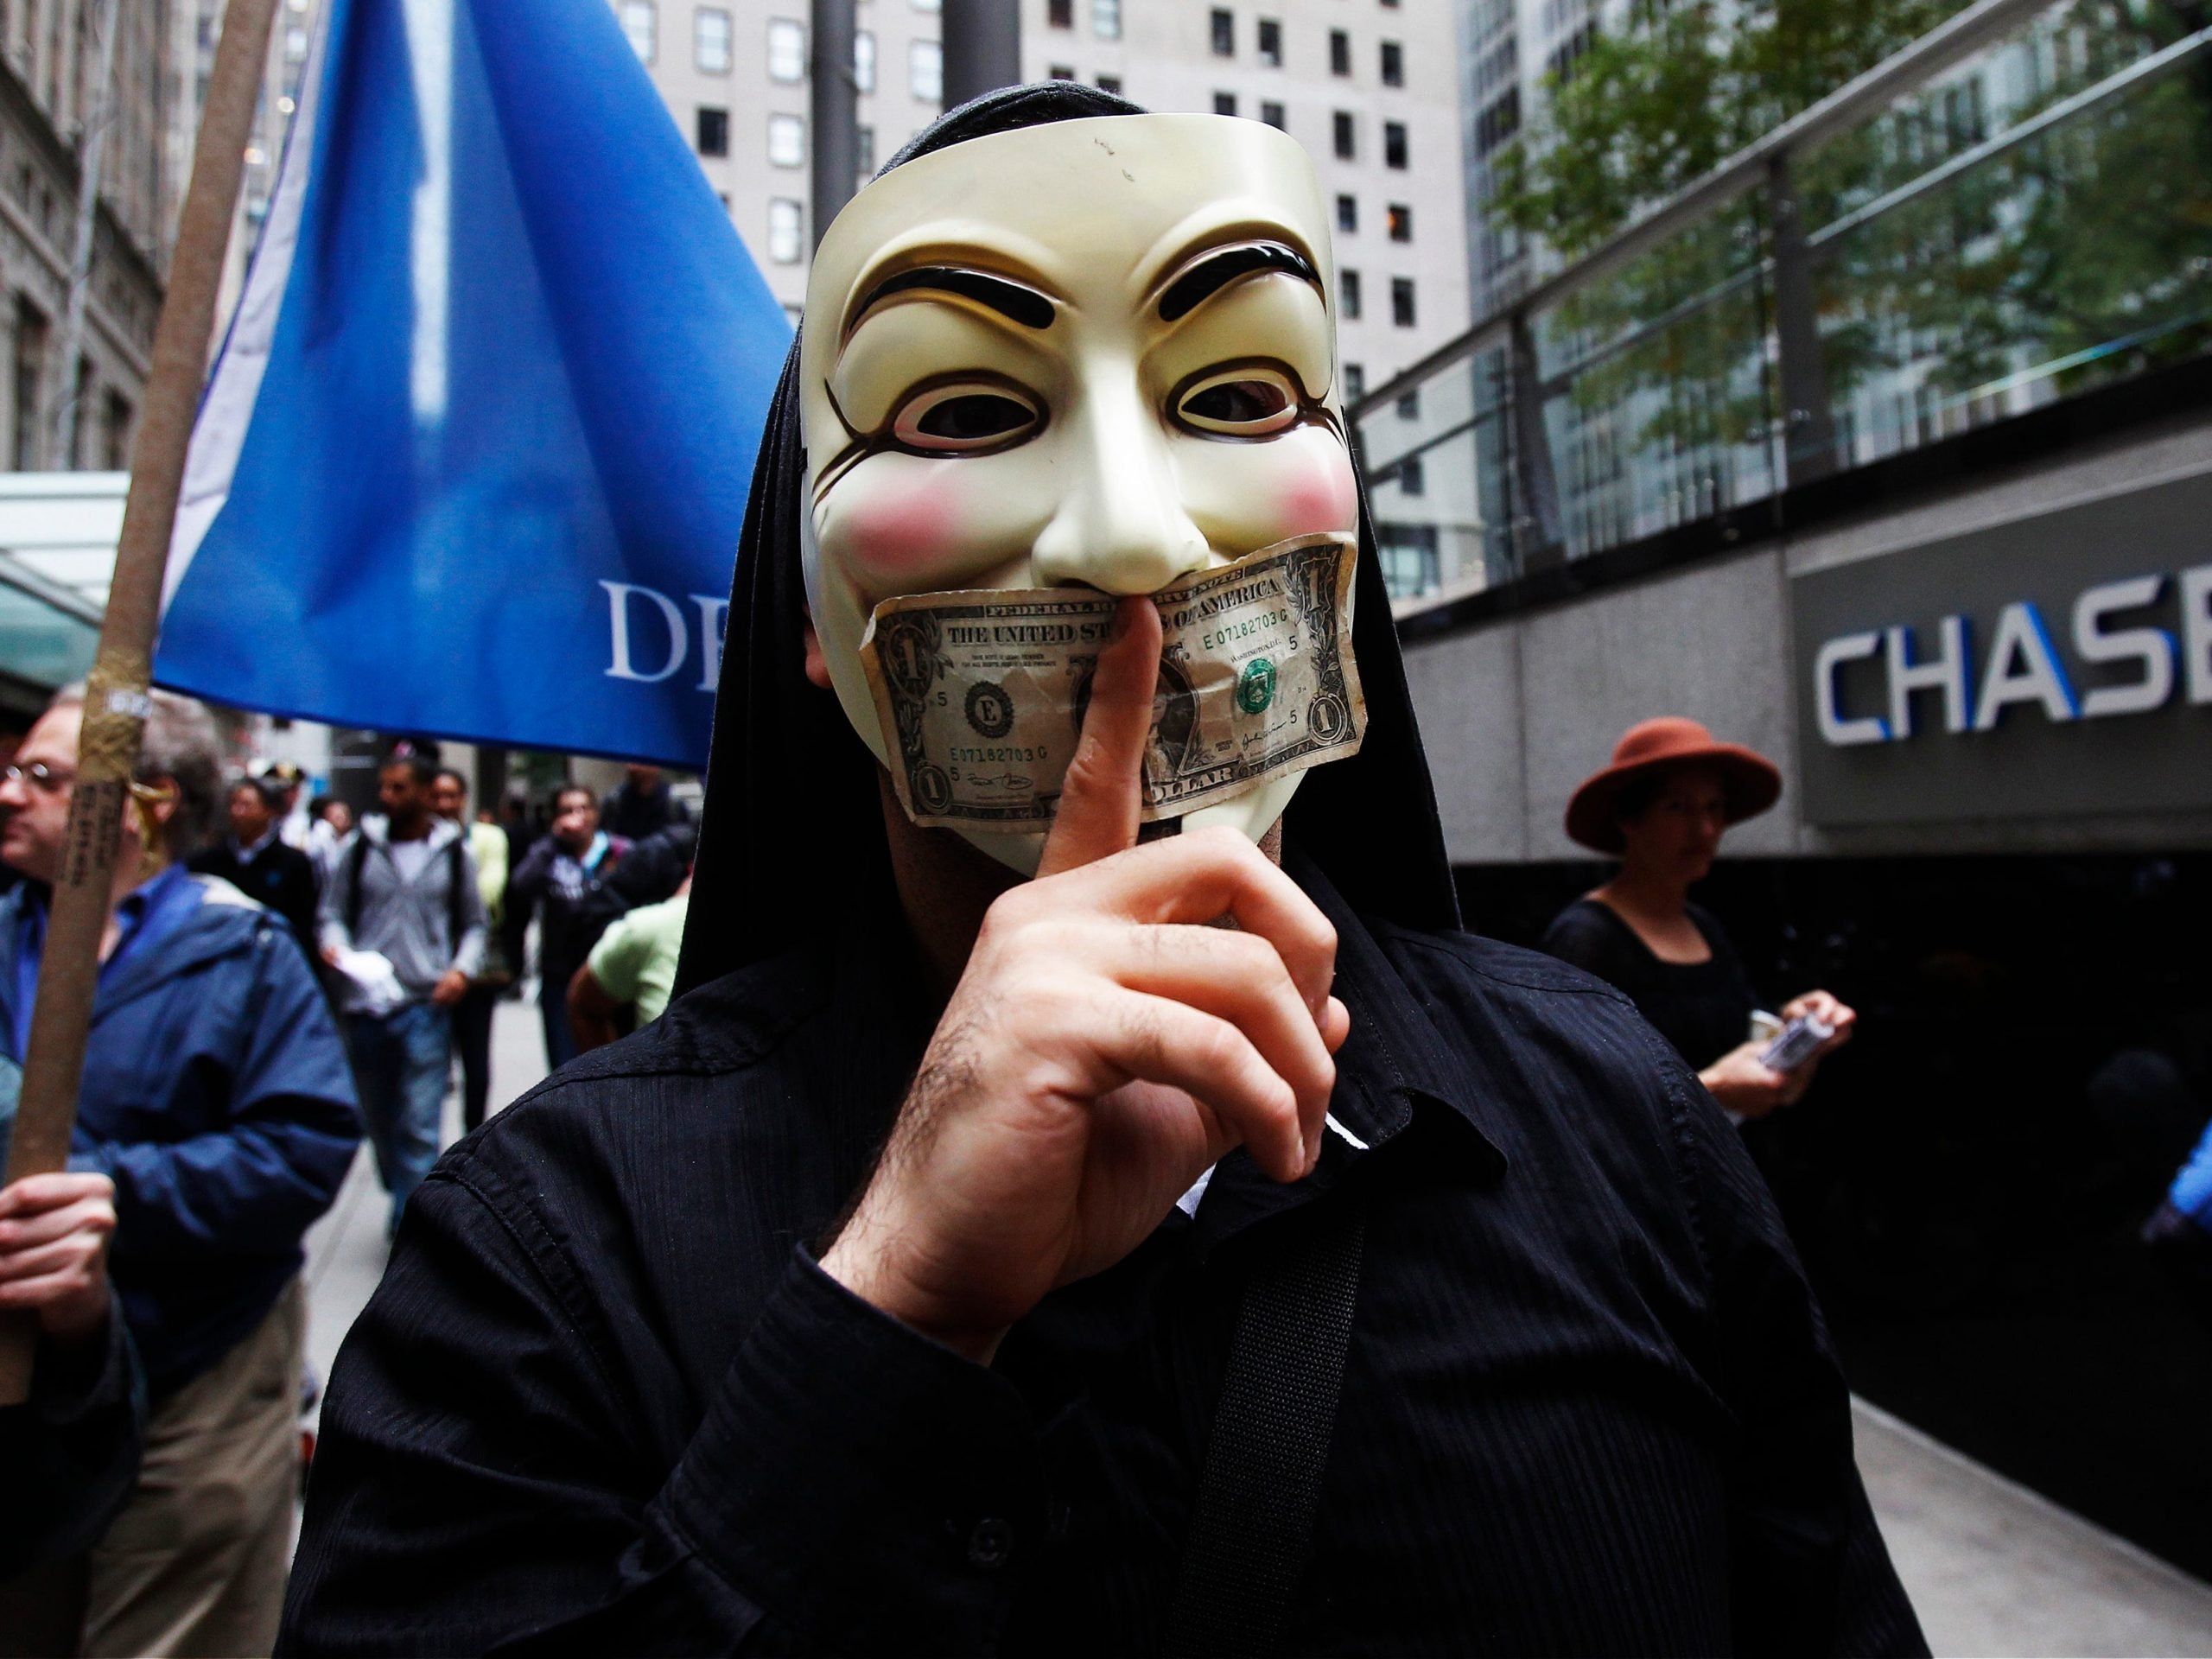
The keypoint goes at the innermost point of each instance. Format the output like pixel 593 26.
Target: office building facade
pixel 1366 86
pixel 50 95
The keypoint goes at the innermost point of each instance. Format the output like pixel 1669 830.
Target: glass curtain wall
pixel 2031 223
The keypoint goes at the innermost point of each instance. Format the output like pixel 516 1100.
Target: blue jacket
pixel 218 1098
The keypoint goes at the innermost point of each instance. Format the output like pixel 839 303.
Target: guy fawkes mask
pixel 1096 353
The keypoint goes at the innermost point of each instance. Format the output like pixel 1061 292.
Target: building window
pixel 864 62
pixel 1060 14
pixel 786 50
pixel 1339 53
pixel 866 148
pixel 786 141
pixel 1394 144
pixel 640 24
pixel 1401 301
pixel 1106 19
pixel 710 41
pixel 1402 222
pixel 1110 84
pixel 1348 294
pixel 1409 405
pixel 928 5
pixel 115 432
pixel 1355 382
pixel 1347 214
pixel 30 369
pixel 1270 43
pixel 1412 480
pixel 74 458
pixel 1394 64
pixel 1271 112
pixel 1224 103
pixel 1059 71
pixel 1498 122
pixel 1340 130
pixel 714 131
pixel 1224 33
pixel 786 232
pixel 925 71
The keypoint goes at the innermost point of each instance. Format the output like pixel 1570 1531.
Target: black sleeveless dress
pixel 1703 1009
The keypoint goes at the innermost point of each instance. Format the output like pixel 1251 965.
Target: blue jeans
pixel 400 1063
pixel 553 1013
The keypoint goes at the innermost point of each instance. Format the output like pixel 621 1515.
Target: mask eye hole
pixel 965 417
pixel 1244 402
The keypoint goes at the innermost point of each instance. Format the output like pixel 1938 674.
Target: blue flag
pixel 474 457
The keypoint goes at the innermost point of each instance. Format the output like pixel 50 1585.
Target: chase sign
pixel 2057 665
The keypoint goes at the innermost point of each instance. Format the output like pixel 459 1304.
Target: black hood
pixel 792 821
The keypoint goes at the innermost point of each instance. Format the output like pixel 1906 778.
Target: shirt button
pixel 990 1543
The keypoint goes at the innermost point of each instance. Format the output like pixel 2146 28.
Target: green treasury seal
pixel 1255 687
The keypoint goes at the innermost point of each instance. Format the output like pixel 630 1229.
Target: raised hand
pixel 1106 1045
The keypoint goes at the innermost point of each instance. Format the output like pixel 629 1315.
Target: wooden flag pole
pixel 115 695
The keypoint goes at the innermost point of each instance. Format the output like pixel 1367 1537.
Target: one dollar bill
pixel 982 693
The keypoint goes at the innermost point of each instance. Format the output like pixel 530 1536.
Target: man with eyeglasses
pixel 215 1122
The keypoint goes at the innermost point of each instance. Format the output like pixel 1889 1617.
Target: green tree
pixel 2098 232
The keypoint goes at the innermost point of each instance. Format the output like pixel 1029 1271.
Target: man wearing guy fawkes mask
pixel 880 1298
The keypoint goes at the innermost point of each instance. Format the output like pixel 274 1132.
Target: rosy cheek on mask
pixel 913 531
pixel 1250 496
pixel 1323 497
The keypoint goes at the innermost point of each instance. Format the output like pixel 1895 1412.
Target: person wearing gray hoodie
pixel 402 923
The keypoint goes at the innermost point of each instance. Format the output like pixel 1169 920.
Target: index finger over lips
pixel 1206 875
pixel 1103 794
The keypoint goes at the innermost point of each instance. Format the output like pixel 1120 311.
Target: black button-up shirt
pixel 605 1400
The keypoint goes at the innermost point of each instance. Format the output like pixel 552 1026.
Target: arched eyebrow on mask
pixel 1215 272
pixel 1010 300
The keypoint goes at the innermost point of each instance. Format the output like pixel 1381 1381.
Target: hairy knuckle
pixel 1006 915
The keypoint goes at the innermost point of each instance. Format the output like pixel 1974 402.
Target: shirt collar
pixel 591 856
pixel 248 851
pixel 1394 1068
pixel 142 914
pixel 147 905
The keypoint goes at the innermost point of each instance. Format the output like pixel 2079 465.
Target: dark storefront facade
pixel 1995 840
pixel 1886 449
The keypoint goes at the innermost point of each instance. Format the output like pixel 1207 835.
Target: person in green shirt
pixel 634 964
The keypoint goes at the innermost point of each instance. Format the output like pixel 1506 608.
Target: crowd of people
pixel 276 979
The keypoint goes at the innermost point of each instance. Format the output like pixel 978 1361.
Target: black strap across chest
pixel 1252 1529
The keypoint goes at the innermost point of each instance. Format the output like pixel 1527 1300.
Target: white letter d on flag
pixel 618 605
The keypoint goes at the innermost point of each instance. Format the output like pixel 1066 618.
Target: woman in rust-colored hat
pixel 1659 807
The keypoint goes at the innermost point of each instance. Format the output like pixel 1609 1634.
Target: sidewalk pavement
pixel 1995 1569
pixel 1992 1569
